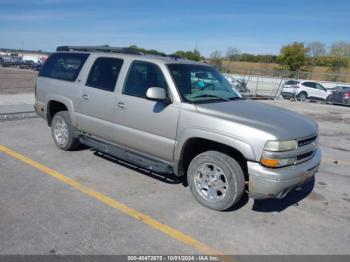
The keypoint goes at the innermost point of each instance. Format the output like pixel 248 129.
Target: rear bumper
pixel 39 108
pixel 341 101
pixel 287 95
pixel 276 183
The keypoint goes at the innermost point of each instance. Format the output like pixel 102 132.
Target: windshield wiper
pixel 207 95
pixel 236 98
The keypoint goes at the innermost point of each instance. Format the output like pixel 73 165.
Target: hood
pixel 280 123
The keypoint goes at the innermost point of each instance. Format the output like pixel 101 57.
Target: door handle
pixel 85 97
pixel 121 105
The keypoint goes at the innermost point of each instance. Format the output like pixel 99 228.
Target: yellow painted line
pixel 340 162
pixel 176 234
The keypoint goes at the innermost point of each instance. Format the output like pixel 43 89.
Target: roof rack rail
pixel 103 48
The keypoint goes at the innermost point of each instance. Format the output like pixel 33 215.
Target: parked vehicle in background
pixel 36 66
pixel 171 115
pixel 238 84
pixel 340 95
pixel 25 64
pixel 27 57
pixel 11 61
pixel 305 90
pixel 338 88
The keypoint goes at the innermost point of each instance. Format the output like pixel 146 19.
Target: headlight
pixel 279 146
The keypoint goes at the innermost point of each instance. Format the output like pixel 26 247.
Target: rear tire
pixel 302 96
pixel 216 180
pixel 63 132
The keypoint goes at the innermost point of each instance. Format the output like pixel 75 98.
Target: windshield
pixel 200 83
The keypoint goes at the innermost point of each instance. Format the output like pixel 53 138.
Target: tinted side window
pixel 320 87
pixel 292 82
pixel 65 66
pixel 309 84
pixel 141 76
pixel 104 73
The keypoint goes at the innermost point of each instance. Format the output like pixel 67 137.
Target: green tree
pixel 146 51
pixel 337 62
pixel 191 55
pixel 293 56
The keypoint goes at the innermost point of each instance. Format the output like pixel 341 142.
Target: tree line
pixel 294 57
pixel 191 55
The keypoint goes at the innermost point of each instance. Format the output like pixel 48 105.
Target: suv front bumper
pixel 277 182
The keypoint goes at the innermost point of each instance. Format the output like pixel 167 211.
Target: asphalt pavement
pixel 81 202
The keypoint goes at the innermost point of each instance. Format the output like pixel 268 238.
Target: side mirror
pixel 157 94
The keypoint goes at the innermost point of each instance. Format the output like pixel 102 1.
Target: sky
pixel 253 26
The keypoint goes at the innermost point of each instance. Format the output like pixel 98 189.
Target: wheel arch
pixel 57 103
pixel 190 146
pixel 303 92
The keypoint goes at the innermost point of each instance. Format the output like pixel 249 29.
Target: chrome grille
pixel 306 141
pixel 303 156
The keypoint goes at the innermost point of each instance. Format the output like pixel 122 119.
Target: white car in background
pixel 305 90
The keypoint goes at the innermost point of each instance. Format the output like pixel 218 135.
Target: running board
pixel 126 155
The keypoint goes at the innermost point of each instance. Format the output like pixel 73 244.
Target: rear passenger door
pixel 310 89
pixel 144 125
pixel 96 103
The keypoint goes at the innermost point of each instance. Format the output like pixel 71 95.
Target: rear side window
pixel 104 73
pixel 292 82
pixel 64 66
pixel 309 84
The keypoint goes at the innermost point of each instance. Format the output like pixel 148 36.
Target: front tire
pixel 328 100
pixel 216 180
pixel 63 132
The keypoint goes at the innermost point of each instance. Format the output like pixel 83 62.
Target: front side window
pixel 64 66
pixel 320 87
pixel 104 73
pixel 141 76
pixel 201 83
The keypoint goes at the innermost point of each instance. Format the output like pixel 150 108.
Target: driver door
pixel 321 92
pixel 144 125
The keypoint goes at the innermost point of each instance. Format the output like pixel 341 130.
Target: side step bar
pixel 126 155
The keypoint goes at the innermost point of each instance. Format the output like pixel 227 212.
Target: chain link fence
pixel 268 84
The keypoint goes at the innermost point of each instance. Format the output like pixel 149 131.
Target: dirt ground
pixel 17 81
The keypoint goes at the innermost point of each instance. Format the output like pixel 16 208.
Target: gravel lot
pixel 42 215
pixel 17 81
pixel 17 86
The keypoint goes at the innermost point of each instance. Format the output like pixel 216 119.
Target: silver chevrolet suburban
pixel 170 115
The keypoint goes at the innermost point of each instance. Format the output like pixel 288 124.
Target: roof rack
pixel 103 48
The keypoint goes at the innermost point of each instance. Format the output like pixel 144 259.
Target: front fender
pixel 227 139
